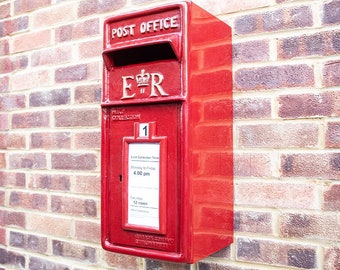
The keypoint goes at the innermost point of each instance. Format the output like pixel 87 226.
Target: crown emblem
pixel 142 79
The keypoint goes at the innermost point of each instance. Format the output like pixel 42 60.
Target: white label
pixel 143 184
pixel 144 130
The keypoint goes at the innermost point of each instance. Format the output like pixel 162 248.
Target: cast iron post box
pixel 167 160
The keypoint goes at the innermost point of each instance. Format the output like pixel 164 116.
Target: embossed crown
pixel 142 78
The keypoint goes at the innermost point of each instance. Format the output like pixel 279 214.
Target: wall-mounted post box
pixel 167 160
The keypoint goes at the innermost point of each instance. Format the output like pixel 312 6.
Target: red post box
pixel 167 159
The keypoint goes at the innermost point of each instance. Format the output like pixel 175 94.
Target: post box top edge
pixel 148 11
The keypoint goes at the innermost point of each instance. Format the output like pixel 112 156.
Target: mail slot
pixel 167 148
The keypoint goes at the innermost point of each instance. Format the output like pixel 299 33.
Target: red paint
pixel 165 68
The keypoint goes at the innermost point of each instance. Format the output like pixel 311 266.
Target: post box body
pixel 167 159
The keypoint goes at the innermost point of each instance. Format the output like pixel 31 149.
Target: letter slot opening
pixel 139 54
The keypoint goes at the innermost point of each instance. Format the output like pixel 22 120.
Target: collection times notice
pixel 143 184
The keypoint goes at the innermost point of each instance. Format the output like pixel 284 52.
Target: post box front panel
pixel 143 181
pixel 143 55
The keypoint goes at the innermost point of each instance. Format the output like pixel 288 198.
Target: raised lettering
pixel 123 31
pixel 127 86
pixel 155 85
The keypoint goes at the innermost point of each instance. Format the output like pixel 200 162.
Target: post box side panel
pixel 210 149
pixel 136 238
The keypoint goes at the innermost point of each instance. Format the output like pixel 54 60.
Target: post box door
pixel 143 185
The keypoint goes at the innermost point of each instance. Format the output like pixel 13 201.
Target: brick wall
pixel 286 131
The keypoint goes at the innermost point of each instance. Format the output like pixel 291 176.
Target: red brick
pixel 50 98
pixel 74 118
pixel 2 161
pixel 10 64
pixel 258 107
pixel 333 135
pixel 94 71
pixel 12 141
pixel 54 14
pixel 331 198
pixel 21 6
pixel 31 41
pixel 253 222
pixel 10 179
pixel 50 140
pixel 252 164
pixel 331 12
pixel 276 253
pixel 30 120
pixel 272 77
pixel 316 165
pixel 309 105
pixel 50 182
pixel 251 51
pixel 78 30
pixel 11 260
pixel 87 94
pixel 322 43
pixel 52 56
pixel 331 76
pixel 4 84
pixel 74 206
pixel 89 7
pixel 331 258
pixel 28 200
pixel 87 140
pixel 287 18
pixel 4 125
pixel 4 47
pixel 13 26
pixel 30 79
pixel 69 161
pixel 280 135
pixel 87 231
pixel 74 251
pixel 2 236
pixel 2 202
pixel 38 263
pixel 317 227
pixel 56 226
pixel 5 10
pixel 276 20
pixel 121 261
pixel 92 48
pixel 28 242
pixel 276 195
pixel 28 161
pixel 12 102
pixel 86 184
pixel 246 24
pixel 12 218
pixel 70 74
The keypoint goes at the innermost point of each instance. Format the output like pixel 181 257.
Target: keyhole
pixel 120 178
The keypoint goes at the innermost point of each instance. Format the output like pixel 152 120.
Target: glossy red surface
pixel 169 69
